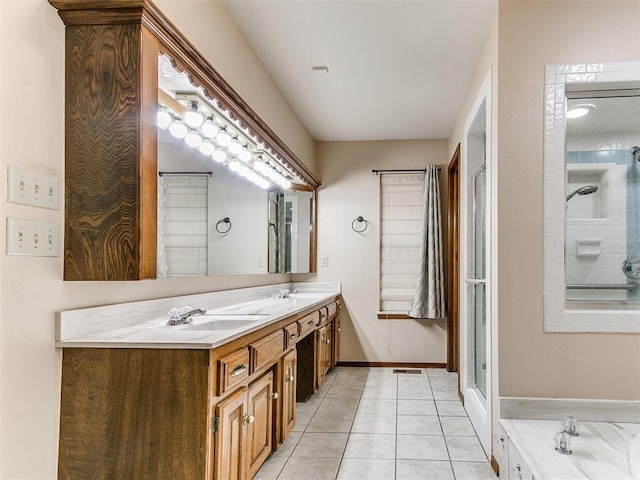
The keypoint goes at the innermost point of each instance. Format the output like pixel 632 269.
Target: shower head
pixel 586 190
pixel 635 151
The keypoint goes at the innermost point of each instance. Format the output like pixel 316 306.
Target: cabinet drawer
pixel 266 349
pixel 332 309
pixel 232 369
pixel 323 315
pixel 518 470
pixel 306 324
pixel 290 334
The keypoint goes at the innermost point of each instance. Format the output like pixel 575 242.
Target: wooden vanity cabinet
pixel 188 413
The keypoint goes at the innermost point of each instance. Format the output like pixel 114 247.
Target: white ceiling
pixel 397 69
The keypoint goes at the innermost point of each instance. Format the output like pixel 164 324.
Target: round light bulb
pixel 193 139
pixel 244 171
pixel 234 147
pixel 223 138
pixel 219 155
pixel 580 110
pixel 259 166
pixel 207 148
pixel 164 119
pixel 265 184
pixel 178 129
pixel 234 166
pixel 209 128
pixel 193 117
pixel 245 154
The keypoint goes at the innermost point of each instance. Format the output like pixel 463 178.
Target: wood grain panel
pixel 102 225
pixel 259 431
pixel 133 413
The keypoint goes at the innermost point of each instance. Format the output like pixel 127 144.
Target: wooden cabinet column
pixel 111 90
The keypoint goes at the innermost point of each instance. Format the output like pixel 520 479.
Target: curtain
pixel 429 300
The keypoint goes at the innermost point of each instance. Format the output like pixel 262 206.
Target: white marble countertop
pixel 230 315
pixel 602 451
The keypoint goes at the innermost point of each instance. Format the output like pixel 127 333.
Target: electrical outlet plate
pixel 26 237
pixel 34 189
pixel 324 262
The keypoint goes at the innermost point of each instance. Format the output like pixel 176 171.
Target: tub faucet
pixel 180 316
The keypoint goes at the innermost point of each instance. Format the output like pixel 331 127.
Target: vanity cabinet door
pixel 289 393
pixel 229 457
pixel 335 342
pixel 323 352
pixel 518 470
pixel 259 422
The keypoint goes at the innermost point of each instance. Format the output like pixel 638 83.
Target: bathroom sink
pixel 223 321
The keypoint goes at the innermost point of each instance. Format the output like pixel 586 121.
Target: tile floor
pixel 370 424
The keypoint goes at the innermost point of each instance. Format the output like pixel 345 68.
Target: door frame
pixel 453 264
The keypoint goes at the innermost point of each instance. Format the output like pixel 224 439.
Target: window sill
pixel 394 316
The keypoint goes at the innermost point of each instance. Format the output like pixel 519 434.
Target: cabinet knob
pixel 290 378
pixel 249 419
pixel 293 336
pixel 275 395
pixel 339 329
pixel 501 439
pixel 328 342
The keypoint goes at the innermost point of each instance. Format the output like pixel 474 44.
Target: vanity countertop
pixel 602 451
pixel 230 315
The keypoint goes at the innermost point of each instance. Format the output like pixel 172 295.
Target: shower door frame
pixel 479 407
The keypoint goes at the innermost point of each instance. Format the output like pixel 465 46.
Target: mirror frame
pixel 561 315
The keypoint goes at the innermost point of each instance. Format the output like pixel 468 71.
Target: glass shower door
pixel 478 282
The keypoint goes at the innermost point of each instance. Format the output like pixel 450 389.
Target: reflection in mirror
pixel 215 186
pixel 290 232
pixel 591 197
pixel 602 195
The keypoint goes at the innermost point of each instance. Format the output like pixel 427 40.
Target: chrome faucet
pixel 286 293
pixel 182 315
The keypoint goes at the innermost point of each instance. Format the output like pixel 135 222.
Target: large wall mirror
pixel 226 204
pixel 592 198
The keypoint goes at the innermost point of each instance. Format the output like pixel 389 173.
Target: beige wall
pixel 350 189
pixel 534 363
pixel 31 135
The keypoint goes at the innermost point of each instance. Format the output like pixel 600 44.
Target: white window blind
pixel 185 232
pixel 401 197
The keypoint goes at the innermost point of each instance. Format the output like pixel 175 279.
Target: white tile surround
pixel 369 424
pixel 144 324
pixel 557 317
pixel 607 448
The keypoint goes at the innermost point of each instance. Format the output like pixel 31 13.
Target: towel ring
pixel 360 219
pixel 223 220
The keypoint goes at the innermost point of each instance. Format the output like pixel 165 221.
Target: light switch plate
pixel 26 237
pixel 27 187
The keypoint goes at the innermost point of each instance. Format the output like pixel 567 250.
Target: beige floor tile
pixel 379 392
pixel 418 425
pixel 271 468
pixel 381 381
pixel 344 391
pixel 457 426
pixel 298 468
pixel 424 470
pixel 450 408
pixel 380 371
pixel 445 393
pixel 289 444
pixel 302 421
pixel 422 447
pixel 465 449
pixel 310 405
pixel 321 445
pixel 416 407
pixel 420 392
pixel 374 423
pixel 473 470
pixel 366 469
pixel 371 445
pixel 379 406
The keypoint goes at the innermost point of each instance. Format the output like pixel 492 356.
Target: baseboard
pixel 559 408
pixel 392 364
pixel 495 466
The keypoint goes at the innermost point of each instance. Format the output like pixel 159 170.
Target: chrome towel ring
pixel 360 220
pixel 223 220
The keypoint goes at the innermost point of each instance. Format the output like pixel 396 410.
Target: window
pixel 182 225
pixel 401 198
